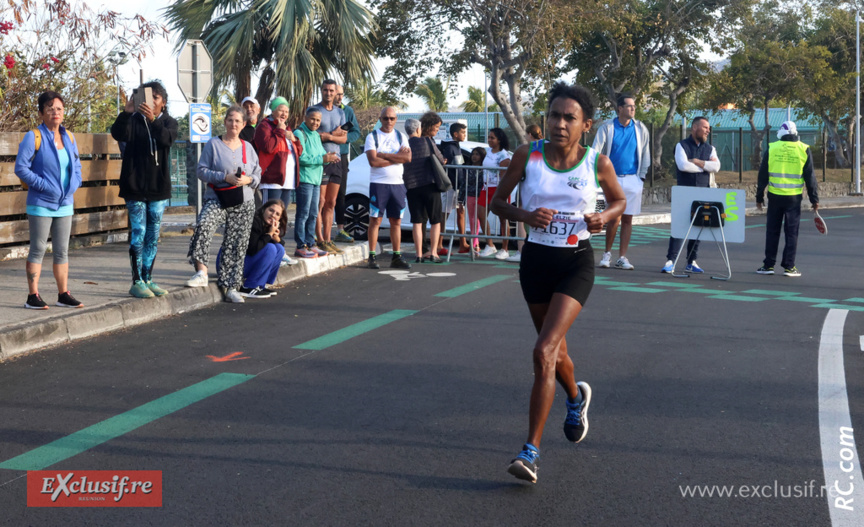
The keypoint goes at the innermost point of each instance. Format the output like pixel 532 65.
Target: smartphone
pixel 142 96
pixel 346 126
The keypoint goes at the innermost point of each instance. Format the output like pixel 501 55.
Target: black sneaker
pixel 576 422
pixel 524 465
pixel 765 270
pixel 35 302
pixel 399 263
pixel 373 263
pixel 272 292
pixel 67 300
pixel 256 292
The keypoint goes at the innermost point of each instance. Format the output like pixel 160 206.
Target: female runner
pixel 559 179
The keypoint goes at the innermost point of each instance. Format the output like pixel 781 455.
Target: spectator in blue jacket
pixel 48 164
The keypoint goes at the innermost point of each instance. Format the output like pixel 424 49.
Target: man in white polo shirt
pixel 387 150
pixel 625 141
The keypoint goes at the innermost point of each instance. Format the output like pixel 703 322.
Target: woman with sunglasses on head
pixel 48 164
pixel 559 180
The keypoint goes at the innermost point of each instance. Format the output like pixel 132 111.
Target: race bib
pixel 565 230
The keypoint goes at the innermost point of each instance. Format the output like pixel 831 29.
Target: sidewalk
pixel 100 278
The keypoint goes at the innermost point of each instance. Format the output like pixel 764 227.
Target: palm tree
pixel 433 93
pixel 363 96
pixel 475 101
pixel 292 44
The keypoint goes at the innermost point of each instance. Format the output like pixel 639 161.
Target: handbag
pixel 439 173
pixel 231 196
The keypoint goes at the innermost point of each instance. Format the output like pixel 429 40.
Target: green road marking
pixel 92 436
pixel 638 289
pixel 675 284
pixel 835 217
pixel 340 336
pixel 854 300
pixel 739 298
pixel 613 283
pixel 806 299
pixel 473 286
pixel 769 292
pixel 839 306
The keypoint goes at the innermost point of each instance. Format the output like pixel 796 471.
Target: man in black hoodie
pixel 145 180
pixel 455 155
pixel 787 167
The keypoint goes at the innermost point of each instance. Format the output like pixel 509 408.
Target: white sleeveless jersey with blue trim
pixel 573 193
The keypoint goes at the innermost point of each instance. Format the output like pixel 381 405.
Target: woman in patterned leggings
pixel 230 168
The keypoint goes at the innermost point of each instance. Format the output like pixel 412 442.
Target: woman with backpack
pixel 49 166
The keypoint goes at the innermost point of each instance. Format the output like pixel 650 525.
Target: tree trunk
pixel 840 145
pixel 265 88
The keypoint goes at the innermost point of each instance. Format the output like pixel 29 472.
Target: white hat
pixel 253 100
pixel 787 128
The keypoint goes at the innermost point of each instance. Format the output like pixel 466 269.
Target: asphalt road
pixel 368 398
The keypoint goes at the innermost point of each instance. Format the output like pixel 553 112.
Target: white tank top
pixel 573 193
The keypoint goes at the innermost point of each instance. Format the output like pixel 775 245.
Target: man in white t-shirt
pixel 387 150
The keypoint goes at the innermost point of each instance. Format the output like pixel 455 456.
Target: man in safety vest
pixel 786 168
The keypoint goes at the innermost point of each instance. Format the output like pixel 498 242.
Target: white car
pixel 357 199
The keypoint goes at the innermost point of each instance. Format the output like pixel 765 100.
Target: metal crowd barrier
pixel 472 213
pixel 451 204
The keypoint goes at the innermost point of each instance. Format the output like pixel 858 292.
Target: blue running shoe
pixel 694 268
pixel 669 267
pixel 576 422
pixel 524 465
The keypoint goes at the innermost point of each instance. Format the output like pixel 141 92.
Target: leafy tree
pixel 291 44
pixel 650 49
pixel 519 42
pixel 433 93
pixel 771 62
pixel 49 45
pixel 832 95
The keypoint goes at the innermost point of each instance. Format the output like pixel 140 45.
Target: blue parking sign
pixel 200 127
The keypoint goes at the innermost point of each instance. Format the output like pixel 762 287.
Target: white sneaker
pixel 233 296
pixel 199 279
pixel 488 251
pixel 503 254
pixel 287 260
pixel 515 258
pixel 606 260
pixel 624 263
pixel 669 267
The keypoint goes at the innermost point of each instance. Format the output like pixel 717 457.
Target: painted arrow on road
pixel 229 357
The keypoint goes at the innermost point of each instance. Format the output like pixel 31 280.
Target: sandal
pixel 434 259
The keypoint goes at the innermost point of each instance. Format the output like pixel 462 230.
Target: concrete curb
pixel 84 323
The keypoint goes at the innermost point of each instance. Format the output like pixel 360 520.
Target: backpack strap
pixel 37 138
pixel 375 138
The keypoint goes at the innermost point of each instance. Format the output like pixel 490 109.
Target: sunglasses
pixel 388 118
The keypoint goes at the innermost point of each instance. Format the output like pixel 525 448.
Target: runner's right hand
pixel 540 217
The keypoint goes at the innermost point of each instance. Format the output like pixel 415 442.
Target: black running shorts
pixel 545 270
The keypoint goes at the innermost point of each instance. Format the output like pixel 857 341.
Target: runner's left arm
pixel 614 194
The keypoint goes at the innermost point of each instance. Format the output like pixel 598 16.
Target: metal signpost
pixel 195 78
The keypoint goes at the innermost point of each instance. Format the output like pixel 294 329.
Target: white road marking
pixel 861 342
pixel 404 276
pixel 840 463
pixel 440 275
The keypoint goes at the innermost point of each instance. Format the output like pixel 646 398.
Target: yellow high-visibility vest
pixel 786 160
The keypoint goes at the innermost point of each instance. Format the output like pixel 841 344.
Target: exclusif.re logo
pixel 94 488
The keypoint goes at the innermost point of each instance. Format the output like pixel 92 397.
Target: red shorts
pixel 485 196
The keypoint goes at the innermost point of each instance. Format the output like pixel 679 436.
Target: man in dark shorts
pixel 332 137
pixel 342 236
pixel 387 151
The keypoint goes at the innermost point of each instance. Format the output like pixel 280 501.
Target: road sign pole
pixel 195 99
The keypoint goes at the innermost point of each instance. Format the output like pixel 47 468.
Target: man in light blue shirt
pixel 625 141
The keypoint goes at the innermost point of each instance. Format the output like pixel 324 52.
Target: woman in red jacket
pixel 279 154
